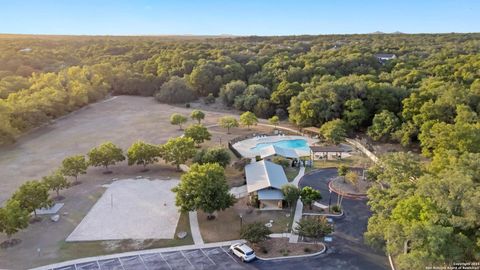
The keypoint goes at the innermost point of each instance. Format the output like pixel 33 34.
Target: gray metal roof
pixel 329 148
pixel 385 55
pixel 270 194
pixel 272 150
pixel 264 174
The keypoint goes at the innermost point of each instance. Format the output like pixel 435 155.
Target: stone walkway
pixel 195 229
pixel 299 176
pixel 296 218
pixel 319 205
pixel 298 208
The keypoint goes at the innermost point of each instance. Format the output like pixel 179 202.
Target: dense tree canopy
pixel 429 96
pixel 315 78
pixel 334 131
pixel 426 216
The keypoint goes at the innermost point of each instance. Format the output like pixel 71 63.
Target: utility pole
pixel 241 222
pixel 329 199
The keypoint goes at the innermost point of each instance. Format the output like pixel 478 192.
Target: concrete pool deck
pixel 245 147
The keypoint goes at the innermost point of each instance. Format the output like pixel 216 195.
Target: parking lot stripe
pixel 229 254
pixel 186 258
pixel 141 259
pixel 161 255
pixel 121 263
pixel 89 264
pixel 208 257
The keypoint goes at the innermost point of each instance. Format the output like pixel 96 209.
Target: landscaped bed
pixel 343 186
pixel 279 247
pixel 291 173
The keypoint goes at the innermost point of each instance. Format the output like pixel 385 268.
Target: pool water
pixel 298 144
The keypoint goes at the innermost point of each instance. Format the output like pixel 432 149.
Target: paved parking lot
pixel 204 258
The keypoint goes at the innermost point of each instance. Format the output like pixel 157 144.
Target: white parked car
pixel 244 252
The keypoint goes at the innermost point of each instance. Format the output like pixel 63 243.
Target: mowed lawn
pixel 227 224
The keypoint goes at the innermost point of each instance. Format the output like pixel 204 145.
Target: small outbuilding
pixel 385 56
pixel 321 152
pixel 265 180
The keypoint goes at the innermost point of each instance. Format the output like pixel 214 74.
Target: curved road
pixel 347 251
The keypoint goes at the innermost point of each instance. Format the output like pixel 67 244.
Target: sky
pixel 237 17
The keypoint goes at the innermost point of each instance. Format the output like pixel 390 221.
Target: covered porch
pixel 270 199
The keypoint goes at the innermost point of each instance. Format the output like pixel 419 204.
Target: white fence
pixel 362 148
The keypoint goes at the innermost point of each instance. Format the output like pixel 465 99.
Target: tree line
pixel 309 79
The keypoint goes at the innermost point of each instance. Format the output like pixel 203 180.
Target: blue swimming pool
pixel 292 144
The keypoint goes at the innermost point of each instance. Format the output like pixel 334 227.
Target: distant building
pixel 265 180
pixel 26 50
pixel 385 56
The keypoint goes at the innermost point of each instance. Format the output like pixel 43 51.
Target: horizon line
pixel 233 35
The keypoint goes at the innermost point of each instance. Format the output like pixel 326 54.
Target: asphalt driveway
pixel 347 250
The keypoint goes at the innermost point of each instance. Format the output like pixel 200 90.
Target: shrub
pixel 307 250
pixel 285 251
pixel 336 208
pixel 255 232
pixel 241 163
pixel 187 105
pixel 213 155
pixel 176 90
pixel 281 161
pixel 254 201
pixel 210 99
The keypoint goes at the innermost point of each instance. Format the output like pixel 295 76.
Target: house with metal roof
pixel 385 56
pixel 265 180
